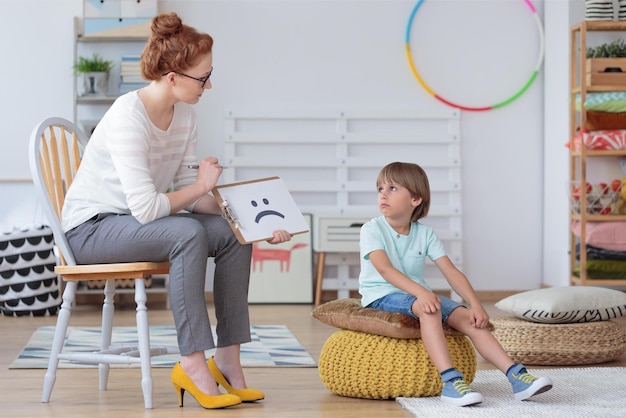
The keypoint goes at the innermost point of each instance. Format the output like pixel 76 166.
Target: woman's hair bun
pixel 166 24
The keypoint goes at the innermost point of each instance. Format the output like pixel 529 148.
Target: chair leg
pixel 63 320
pixel 108 309
pixel 143 336
pixel 319 277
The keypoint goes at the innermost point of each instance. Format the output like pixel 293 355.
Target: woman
pixel 125 202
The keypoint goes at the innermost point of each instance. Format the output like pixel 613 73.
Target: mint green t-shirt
pixel 406 253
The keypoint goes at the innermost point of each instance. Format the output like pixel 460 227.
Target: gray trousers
pixel 186 240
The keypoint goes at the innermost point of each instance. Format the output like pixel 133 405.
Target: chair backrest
pixel 55 151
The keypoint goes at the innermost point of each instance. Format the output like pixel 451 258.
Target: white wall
pixel 350 54
pixel 556 102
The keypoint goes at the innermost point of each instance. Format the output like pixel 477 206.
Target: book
pixel 127 87
pixel 130 68
pixel 132 78
pixel 255 209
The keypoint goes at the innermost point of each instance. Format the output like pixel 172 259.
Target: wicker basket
pixel 532 343
pixel 601 198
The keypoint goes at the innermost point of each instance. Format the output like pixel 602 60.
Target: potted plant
pixel 606 64
pixel 95 74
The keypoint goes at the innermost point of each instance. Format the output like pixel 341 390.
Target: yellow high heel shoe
pixel 246 395
pixel 183 383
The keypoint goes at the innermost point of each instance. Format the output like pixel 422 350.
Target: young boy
pixel 394 248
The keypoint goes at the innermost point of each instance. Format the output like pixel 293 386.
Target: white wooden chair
pixel 55 152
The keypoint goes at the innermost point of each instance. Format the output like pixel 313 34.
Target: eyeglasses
pixel 202 80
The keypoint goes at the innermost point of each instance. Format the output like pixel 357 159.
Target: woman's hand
pixel 279 236
pixel 209 171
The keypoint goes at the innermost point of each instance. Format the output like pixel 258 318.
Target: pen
pixel 195 167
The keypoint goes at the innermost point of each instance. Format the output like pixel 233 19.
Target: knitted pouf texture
pixel 362 365
pixel 542 344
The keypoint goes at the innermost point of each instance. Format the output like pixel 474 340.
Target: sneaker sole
pixel 541 385
pixel 467 400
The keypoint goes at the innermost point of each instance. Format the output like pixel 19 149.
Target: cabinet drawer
pixel 338 234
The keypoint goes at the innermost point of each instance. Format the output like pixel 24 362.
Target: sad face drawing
pixel 267 212
pixel 256 208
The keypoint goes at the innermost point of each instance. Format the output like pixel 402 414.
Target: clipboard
pixel 255 209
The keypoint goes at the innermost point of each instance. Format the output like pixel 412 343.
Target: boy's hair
pixel 412 177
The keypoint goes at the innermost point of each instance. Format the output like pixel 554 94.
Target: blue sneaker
pixel 525 384
pixel 456 392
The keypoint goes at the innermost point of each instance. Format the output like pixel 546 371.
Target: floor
pixel 290 392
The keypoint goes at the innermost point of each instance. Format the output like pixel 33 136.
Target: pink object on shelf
pixel 601 140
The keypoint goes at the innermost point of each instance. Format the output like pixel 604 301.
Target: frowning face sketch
pixel 266 212
pixel 257 208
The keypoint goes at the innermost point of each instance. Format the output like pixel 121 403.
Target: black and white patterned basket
pixel 28 284
pixel 621 11
pixel 599 10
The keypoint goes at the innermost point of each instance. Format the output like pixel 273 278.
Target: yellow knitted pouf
pixel 363 365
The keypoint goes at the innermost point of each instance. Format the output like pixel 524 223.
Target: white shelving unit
pixel 330 161
pixel 112 43
pixel 89 109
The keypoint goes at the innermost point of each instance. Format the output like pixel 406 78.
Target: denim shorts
pixel 402 302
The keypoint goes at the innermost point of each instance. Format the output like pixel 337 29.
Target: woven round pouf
pixel 362 365
pixel 534 343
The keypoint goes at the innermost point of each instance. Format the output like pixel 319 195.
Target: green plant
pixel 94 64
pixel 615 49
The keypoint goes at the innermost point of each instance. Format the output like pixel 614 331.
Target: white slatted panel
pixel 330 160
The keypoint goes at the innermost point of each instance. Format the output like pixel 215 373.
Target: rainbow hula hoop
pixel 497 105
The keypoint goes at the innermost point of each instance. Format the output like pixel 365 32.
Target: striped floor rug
pixel 271 346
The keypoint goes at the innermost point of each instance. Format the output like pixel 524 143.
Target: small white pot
pixel 94 84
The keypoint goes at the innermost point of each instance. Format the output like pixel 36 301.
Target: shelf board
pixel 600 88
pixel 87 38
pixel 600 153
pixel 600 26
pixel 599 218
pixel 96 99
pixel 598 282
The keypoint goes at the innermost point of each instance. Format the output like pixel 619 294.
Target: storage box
pixel 605 71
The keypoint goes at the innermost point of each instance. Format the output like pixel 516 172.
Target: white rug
pixel 577 393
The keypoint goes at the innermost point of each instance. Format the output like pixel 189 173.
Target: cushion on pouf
pixel 347 313
pixel 534 343
pixel 363 365
pixel 564 305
